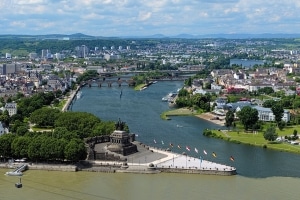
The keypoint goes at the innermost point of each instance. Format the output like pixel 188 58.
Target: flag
pixel 231 158
pixel 162 142
pixel 214 154
pixel 204 152
pixel 188 148
pixel 171 145
pixel 154 141
pixel 179 147
pixel 196 150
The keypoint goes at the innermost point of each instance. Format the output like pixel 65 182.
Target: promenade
pixel 154 160
pixel 70 99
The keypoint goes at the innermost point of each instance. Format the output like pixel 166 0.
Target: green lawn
pixel 257 139
pixel 177 112
pixel 139 87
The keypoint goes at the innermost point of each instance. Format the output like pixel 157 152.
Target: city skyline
pixel 119 18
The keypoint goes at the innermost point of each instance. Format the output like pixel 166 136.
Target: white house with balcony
pixel 266 114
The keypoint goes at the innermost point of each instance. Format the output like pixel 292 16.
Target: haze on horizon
pixel 144 17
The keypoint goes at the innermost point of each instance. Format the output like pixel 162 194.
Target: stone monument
pixel 120 141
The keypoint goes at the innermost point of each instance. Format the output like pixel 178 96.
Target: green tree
pixel 104 128
pixel 44 117
pixel 34 149
pixel 5 144
pixel 248 117
pixel 270 134
pixel 20 146
pixel 269 103
pixel 5 118
pixel 229 118
pixel 75 150
pixel 278 111
pixel 22 130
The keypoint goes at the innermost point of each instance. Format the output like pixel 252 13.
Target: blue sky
pixel 148 17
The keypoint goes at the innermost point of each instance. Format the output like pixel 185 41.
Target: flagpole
pixel 186 161
pixel 173 161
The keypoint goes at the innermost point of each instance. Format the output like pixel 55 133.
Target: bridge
pixel 173 72
pixel 109 82
pixel 125 81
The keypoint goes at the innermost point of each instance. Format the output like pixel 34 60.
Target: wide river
pixel 262 173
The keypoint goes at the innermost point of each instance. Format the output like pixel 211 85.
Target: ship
pixel 78 95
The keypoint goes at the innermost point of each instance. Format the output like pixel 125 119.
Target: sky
pixel 149 17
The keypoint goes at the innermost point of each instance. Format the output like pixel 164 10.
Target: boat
pixel 143 88
pixel 14 173
pixel 78 95
pixel 169 97
pixel 154 82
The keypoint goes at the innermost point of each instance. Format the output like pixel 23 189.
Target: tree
pixel 44 117
pixel 5 144
pixel 269 103
pixel 270 134
pixel 277 110
pixel 281 125
pixel 75 150
pixel 104 128
pixel 81 123
pixel 248 117
pixel 20 146
pixel 229 118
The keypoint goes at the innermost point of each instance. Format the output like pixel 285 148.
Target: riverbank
pixel 255 139
pixel 239 137
pixel 70 98
pixel 208 116
pixel 219 120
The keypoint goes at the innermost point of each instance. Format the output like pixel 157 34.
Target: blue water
pixel 141 111
pixel 246 63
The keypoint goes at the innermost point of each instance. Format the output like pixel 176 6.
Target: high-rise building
pixel 82 51
pixel 7 69
pixel 45 52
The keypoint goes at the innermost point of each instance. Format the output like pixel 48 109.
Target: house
pixel 11 108
pixel 266 114
pixel 221 102
pixel 2 129
pixel 237 106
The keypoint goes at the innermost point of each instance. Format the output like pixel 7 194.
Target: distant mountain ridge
pixel 82 36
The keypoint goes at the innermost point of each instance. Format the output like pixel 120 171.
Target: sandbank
pixel 212 118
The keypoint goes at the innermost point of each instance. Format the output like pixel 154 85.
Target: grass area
pixel 37 129
pixel 61 104
pixel 178 112
pixel 257 139
pixel 139 87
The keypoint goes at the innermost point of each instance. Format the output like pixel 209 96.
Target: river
pixel 262 173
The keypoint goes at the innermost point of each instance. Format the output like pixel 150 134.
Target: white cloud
pixel 146 17
pixel 143 16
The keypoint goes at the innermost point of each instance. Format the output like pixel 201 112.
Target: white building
pixel 11 108
pixel 266 114
pixel 8 56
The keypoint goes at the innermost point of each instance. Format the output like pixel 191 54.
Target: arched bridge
pixel 105 82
